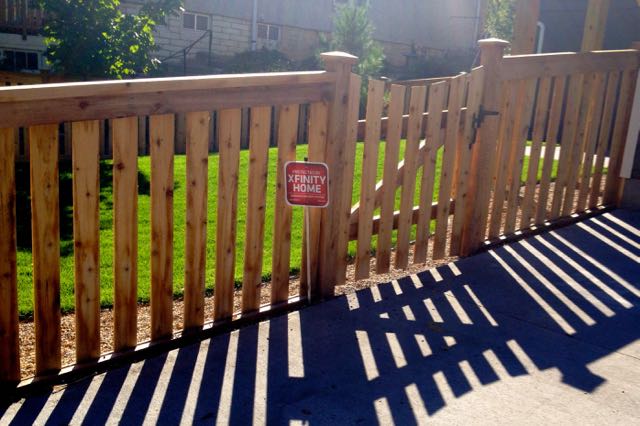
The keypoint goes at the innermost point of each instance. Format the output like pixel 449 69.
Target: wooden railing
pixel 81 106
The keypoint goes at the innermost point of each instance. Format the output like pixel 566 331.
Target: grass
pixel 25 290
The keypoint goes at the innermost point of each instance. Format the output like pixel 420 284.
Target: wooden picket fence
pixel 581 100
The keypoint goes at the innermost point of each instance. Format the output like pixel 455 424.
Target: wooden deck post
pixel 332 219
pixel 595 25
pixel 483 152
pixel 525 27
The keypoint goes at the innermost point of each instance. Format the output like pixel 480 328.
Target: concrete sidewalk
pixel 542 331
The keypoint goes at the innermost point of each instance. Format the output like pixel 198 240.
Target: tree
pixel 94 38
pixel 499 19
pixel 353 33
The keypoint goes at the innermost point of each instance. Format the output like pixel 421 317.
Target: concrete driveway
pixel 541 331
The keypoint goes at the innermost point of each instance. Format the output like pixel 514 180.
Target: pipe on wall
pixel 254 26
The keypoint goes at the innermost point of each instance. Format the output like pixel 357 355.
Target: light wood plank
pixel 256 206
pixel 86 236
pixel 539 127
pixel 317 130
pixel 9 327
pixel 228 170
pixel 45 246
pixel 569 131
pixel 553 129
pixel 593 123
pixel 603 137
pixel 162 137
pixel 197 128
pixel 125 224
pixel 280 266
pixel 505 141
pixel 465 145
pixel 348 165
pixel 578 148
pixel 521 130
pixel 448 158
pixel 414 133
pixel 437 95
pixel 375 99
pixel 613 183
pixel 392 150
pixel 595 25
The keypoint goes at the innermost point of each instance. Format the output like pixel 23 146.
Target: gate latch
pixel 478 119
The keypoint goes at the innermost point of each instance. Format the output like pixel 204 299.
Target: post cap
pixel 338 57
pixel 493 42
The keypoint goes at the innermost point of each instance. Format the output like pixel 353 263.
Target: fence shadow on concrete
pixel 401 351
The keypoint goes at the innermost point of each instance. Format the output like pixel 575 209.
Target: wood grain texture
pixel 256 207
pixel 521 130
pixel 414 133
pixel 125 226
pixel 9 327
pixel 229 163
pixel 595 25
pixel 465 145
pixel 197 140
pixel 281 260
pixel 389 179
pixel 603 137
pixel 348 164
pixel 539 127
pixel 86 235
pixel 161 137
pixel 569 130
pixel 593 124
pixel 553 129
pixel 375 99
pixel 613 183
pixel 45 246
pixel 433 140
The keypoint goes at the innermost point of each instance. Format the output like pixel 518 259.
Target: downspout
pixel 541 30
pixel 254 26
pixel 477 25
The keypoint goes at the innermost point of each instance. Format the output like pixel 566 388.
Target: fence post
pixel 630 168
pixel 332 218
pixel 483 152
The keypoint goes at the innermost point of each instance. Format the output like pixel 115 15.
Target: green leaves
pixel 94 38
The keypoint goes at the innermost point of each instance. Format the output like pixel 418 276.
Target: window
pixel 195 21
pixel 269 32
pixel 16 60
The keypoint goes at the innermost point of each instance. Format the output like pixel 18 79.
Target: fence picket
pixel 520 132
pixel 603 137
pixel 553 128
pixel 229 122
pixel 287 140
pixel 9 327
pixel 86 235
pixel 539 126
pixel 569 130
pixel 623 112
pixel 162 137
pixel 256 206
pixel 448 159
pixel 465 144
pixel 375 99
pixel 197 134
pixel 125 224
pixel 437 94
pixel 593 122
pixel 389 178
pixel 45 246
pixel 505 145
pixel 414 132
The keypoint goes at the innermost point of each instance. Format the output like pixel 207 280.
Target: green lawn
pixel 25 291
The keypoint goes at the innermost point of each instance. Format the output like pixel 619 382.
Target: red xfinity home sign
pixel 307 184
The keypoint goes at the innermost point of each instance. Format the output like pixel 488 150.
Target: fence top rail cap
pixel 493 41
pixel 165 84
pixel 573 54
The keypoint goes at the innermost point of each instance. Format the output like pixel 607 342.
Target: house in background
pixel 21 41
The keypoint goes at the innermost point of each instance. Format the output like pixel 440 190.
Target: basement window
pixel 195 21
pixel 17 60
pixel 269 32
